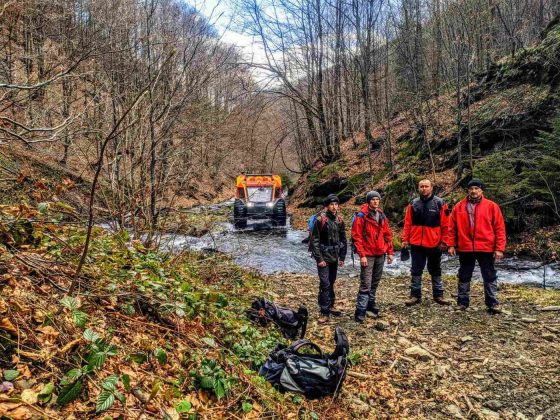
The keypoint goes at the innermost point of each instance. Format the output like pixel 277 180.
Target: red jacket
pixel 487 233
pixel 371 238
pixel 426 222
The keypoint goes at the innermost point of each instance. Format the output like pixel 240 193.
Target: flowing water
pixel 280 250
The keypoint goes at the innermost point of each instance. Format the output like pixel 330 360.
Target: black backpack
pixel 313 375
pixel 263 312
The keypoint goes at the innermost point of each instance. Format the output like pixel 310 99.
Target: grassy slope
pixel 172 327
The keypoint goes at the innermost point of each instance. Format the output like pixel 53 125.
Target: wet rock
pixel 404 342
pixel 455 411
pixel 549 336
pixel 358 407
pixel 442 370
pixel 549 308
pixel 466 339
pixel 528 320
pixel 23 384
pixel 489 414
pixel 493 405
pixel 382 325
pixel 418 353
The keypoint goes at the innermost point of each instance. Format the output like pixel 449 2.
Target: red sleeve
pixel 444 222
pixel 407 224
pixel 358 236
pixel 499 229
pixel 388 237
pixel 452 228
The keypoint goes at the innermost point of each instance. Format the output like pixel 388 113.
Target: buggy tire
pixel 239 215
pixel 279 214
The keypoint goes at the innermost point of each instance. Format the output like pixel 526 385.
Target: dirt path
pixel 469 364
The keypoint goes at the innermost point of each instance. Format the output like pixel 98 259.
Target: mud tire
pixel 239 215
pixel 279 214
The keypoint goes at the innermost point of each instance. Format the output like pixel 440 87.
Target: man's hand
pixel 322 264
pixel 452 251
pixel 340 263
pixel 443 247
pixel 363 261
pixel 498 255
pixel 390 259
pixel 405 244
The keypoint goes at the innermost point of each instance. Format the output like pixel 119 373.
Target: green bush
pixel 524 181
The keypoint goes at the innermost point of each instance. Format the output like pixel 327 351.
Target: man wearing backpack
pixel 328 247
pixel 372 239
pixel 426 224
pixel 477 232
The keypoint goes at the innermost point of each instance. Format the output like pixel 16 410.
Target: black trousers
pixel 419 256
pixel 327 277
pixel 467 262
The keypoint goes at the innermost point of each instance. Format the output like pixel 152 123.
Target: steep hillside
pixel 512 116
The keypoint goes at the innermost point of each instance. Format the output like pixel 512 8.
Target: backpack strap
pixel 299 344
pixel 303 316
pixel 342 346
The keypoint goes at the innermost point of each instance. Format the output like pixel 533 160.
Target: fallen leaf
pixel 39 316
pixel 7 325
pixel 24 371
pixel 29 396
pixel 49 333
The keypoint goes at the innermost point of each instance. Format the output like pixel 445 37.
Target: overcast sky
pixel 220 14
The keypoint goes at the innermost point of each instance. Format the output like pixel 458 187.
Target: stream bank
pixel 280 250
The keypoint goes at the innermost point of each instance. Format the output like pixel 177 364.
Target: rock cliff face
pixel 509 110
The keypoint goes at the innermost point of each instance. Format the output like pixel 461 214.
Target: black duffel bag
pixel 290 322
pixel 313 375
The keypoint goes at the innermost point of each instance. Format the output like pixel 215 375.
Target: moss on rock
pixel 398 194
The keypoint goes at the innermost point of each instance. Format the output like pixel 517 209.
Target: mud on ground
pixel 430 361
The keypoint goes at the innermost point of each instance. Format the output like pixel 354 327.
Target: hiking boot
pixel 359 320
pixel 441 301
pixel 462 307
pixel 413 301
pixel 323 319
pixel 373 311
pixel 335 312
pixel 496 309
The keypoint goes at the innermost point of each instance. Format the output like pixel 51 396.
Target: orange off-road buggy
pixel 259 196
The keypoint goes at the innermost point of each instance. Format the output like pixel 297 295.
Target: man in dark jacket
pixel 477 232
pixel 425 229
pixel 328 247
pixel 373 240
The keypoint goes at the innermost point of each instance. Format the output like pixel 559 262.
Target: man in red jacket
pixel 373 240
pixel 477 233
pixel 425 229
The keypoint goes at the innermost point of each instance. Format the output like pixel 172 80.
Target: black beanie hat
pixel 331 198
pixel 476 183
pixel 371 195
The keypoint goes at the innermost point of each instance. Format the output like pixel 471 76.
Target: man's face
pixel 475 192
pixel 332 207
pixel 425 188
pixel 374 203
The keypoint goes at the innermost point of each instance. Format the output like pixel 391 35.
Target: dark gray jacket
pixel 328 238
